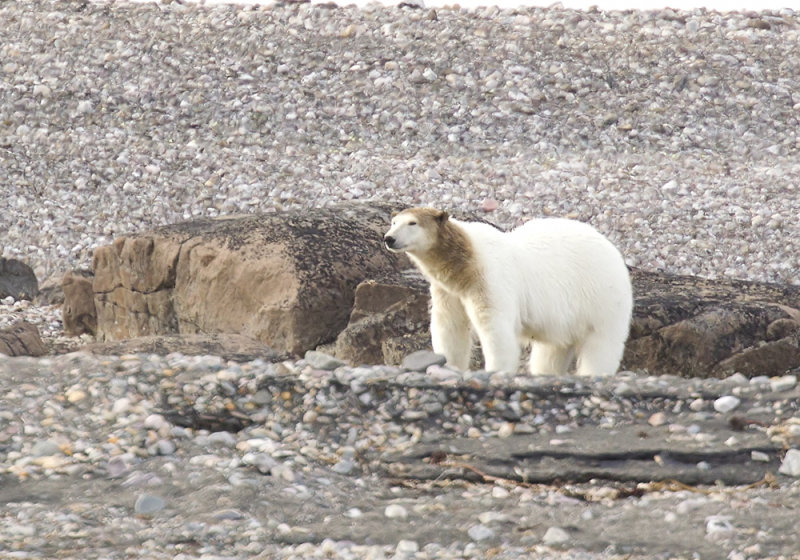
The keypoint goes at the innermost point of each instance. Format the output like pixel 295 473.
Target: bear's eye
pixel 412 223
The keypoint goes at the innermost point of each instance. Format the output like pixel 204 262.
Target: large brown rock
pixel 685 326
pixel 285 279
pixel 78 312
pixel 713 328
pixel 21 339
pixel 389 320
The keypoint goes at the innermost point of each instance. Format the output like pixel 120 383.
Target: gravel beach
pixel 674 133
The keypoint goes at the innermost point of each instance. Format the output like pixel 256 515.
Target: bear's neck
pixel 452 261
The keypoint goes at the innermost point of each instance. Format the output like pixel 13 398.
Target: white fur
pixel 554 282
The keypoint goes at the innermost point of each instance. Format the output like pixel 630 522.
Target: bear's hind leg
pixel 599 356
pixel 549 359
pixel 451 332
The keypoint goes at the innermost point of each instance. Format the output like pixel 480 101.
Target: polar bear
pixel 554 282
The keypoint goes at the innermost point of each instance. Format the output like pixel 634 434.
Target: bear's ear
pixel 442 216
pixel 395 213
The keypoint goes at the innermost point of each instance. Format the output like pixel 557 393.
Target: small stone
pixel 488 517
pixel 147 504
pixel 155 422
pixel 345 466
pixel 321 360
pixel 784 383
pixel 737 379
pixel 117 467
pixel 406 547
pixel 791 463
pixel 555 536
pixel 229 515
pixel 697 405
pixel 121 406
pixel 422 360
pixel 85 107
pixel 263 462
pixel 690 504
pixel 670 187
pixel 657 419
pixel 223 439
pixel 506 430
pixel 480 532
pixel 395 511
pixel 726 403
pixel 165 447
pixel 75 396
pixel 489 205
pixel 759 456
pixel 284 472
pixel 354 513
pixel 41 90
pixel 622 389
pixel 429 74
pixel 45 448
pixel 718 526
pixel 500 493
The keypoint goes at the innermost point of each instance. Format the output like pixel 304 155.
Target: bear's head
pixel 415 230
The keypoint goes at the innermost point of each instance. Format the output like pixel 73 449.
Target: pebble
pixel 406 547
pixel 155 422
pixel 117 467
pixel 422 360
pixel 759 456
pixel 480 532
pixel 395 511
pixel 726 403
pixel 784 383
pixel 261 461
pixel 555 536
pixel 790 466
pixel 657 419
pixel 719 527
pixel 75 396
pixel 165 447
pixel 345 466
pixel 697 405
pixel 45 448
pixel 499 492
pixel 225 439
pixel 320 360
pixel 147 504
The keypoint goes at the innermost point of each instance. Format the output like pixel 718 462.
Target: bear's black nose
pixel 389 240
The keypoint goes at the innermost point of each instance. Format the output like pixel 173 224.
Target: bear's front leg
pixel 499 342
pixel 451 332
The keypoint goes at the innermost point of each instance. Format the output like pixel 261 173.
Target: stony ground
pixel 146 456
pixel 674 133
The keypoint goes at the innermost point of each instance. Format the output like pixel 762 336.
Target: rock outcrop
pixel 697 328
pixel 321 278
pixel 17 280
pixel 79 314
pixel 286 279
pixel 685 326
pixel 21 339
pixel 389 320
